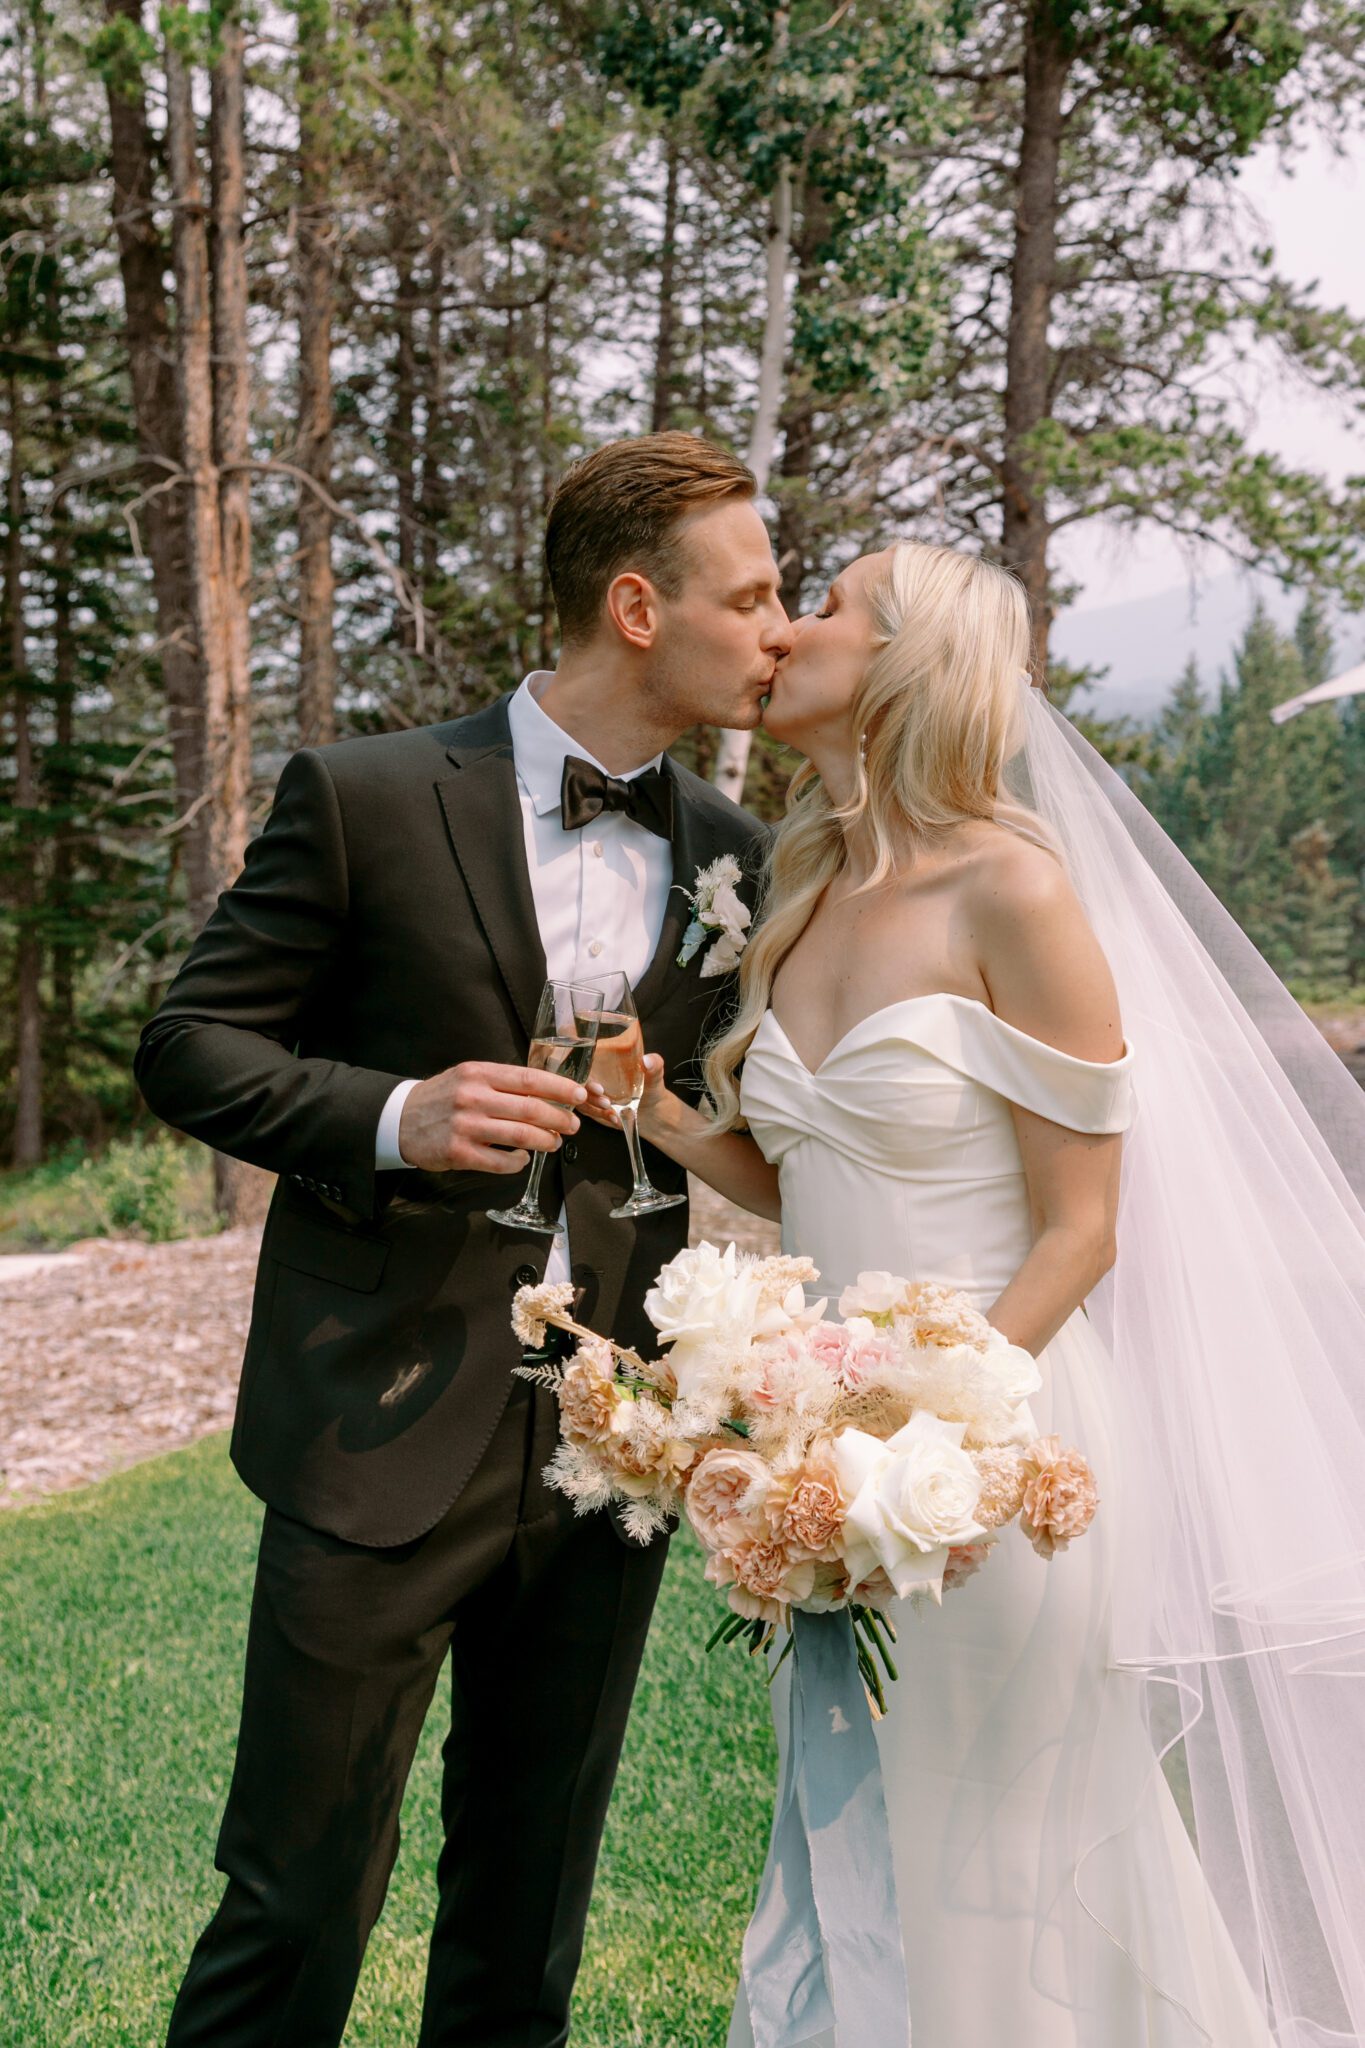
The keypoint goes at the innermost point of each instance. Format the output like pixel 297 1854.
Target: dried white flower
pixel 534 1308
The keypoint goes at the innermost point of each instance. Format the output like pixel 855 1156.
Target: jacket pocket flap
pixel 340 1255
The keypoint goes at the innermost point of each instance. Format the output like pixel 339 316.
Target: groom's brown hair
pixel 621 508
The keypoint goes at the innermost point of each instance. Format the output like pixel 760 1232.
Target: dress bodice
pixel 899 1150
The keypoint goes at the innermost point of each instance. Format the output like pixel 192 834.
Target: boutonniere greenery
pixel 718 916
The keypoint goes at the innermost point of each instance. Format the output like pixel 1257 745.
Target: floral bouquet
pixel 821 1464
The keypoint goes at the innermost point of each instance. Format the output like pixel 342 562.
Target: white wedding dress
pixel 1049 1894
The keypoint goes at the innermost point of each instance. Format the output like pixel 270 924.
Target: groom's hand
pixel 483 1118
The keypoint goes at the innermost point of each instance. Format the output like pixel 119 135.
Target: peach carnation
pixel 1060 1495
pixel 1002 1484
pixel 588 1398
pixel 813 1516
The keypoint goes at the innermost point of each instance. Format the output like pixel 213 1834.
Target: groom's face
pixel 719 641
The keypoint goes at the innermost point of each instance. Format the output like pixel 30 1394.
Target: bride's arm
pixel 1047 974
pixel 728 1161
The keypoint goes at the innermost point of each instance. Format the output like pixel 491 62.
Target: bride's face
pixel 810 702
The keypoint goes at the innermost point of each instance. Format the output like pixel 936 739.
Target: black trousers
pixel 544 1616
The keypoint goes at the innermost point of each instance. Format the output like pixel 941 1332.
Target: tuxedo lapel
pixel 483 817
pixel 694 844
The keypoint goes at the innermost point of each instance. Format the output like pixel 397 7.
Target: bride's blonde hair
pixel 937 712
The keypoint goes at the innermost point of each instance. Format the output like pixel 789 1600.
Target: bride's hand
pixel 652 1102
pixel 657 1099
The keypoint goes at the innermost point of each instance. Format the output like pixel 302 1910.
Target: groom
pixel 355 1016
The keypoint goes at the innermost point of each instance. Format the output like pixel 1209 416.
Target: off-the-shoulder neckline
pixel 944 996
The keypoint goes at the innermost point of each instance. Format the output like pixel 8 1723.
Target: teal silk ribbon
pixel 823 1953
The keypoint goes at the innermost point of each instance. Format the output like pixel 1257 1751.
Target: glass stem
pixel 629 1114
pixel 530 1201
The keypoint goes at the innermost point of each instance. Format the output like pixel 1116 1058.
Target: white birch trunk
pixel 732 755
pixel 194 397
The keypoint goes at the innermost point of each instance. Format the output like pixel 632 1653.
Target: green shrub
pixel 151 1185
pixel 138 1184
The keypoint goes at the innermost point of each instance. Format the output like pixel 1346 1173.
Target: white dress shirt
pixel 600 893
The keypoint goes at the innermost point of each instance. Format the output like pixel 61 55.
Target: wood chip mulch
pixel 117 1350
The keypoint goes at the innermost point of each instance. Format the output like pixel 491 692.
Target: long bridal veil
pixel 1235 1318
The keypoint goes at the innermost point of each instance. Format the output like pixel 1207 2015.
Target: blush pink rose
pixel 828 1342
pixel 866 1358
pixel 724 1489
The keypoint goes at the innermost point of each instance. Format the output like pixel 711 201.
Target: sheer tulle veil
pixel 1235 1318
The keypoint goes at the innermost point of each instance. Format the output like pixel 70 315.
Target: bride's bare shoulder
pixel 1036 949
pixel 1004 872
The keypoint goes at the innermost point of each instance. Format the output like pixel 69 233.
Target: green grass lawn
pixel 122 1624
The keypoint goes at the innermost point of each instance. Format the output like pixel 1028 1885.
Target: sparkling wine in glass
pixel 619 1064
pixel 563 1043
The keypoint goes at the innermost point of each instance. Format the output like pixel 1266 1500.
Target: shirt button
pixel 597 848
pixel 595 948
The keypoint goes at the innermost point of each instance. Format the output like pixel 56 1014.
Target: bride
pixel 993 1032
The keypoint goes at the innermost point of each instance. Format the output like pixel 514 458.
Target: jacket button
pixel 524 1276
pixel 569 1152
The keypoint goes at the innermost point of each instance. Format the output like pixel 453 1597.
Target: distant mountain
pixel 1147 641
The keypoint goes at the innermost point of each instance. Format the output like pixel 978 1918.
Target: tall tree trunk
pixel 772 362
pixel 242 1192
pixel 194 396
pixel 798 418
pixel 60 784
pixel 520 486
pixel 403 431
pixel 162 519
pixel 545 648
pixel 666 336
pixel 432 496
pixel 229 717
pixel 316 287
pixel 732 754
pixel 1024 531
pixel 28 1093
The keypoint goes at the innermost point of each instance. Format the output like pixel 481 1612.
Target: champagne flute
pixel 619 1064
pixel 562 1043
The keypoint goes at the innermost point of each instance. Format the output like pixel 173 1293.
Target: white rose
pixel 703 1294
pixel 872 1294
pixel 727 909
pixel 911 1498
pixel 793 1312
pixel 1015 1374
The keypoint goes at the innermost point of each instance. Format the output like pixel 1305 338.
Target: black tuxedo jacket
pixel 382 927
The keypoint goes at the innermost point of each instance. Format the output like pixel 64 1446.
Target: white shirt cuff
pixel 386 1152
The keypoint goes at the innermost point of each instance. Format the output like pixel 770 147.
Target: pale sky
pixel 1313 214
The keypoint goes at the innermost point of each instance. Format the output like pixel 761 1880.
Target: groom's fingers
pixel 485 1118
pixel 526 1137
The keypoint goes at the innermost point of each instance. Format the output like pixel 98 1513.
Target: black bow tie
pixel 586 792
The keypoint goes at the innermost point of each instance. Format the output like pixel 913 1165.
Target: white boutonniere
pixel 717 915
